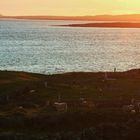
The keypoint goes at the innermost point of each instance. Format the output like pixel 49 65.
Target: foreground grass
pixel 24 111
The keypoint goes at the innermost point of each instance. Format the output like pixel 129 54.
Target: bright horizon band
pixel 68 7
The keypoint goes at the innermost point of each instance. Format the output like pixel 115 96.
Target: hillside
pixel 26 105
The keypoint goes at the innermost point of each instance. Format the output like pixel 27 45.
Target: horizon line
pixel 105 17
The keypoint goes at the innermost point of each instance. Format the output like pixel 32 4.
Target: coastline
pixel 106 25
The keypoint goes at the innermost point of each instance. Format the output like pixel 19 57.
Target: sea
pixel 42 46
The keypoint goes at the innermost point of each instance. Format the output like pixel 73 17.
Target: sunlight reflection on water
pixel 34 46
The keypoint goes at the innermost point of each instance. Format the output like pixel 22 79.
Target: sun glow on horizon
pixel 69 7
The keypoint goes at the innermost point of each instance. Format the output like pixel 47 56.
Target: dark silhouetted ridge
pixel 107 25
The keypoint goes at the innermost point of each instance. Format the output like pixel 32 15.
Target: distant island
pixel 107 25
pixel 129 17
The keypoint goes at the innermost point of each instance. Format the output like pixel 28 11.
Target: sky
pixel 69 7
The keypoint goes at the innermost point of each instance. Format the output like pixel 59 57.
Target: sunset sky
pixel 69 7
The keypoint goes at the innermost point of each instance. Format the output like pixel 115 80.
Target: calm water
pixel 35 46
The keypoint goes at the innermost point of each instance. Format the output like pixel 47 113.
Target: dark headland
pixel 107 25
pixel 100 106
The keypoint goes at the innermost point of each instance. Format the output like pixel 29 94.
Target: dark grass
pixel 36 117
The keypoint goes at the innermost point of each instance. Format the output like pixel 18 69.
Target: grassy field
pixel 24 98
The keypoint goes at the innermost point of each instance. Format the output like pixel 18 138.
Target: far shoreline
pixel 116 18
pixel 106 25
